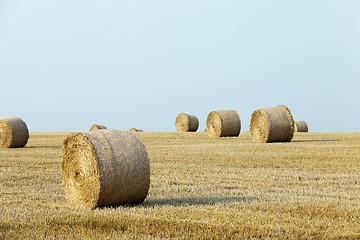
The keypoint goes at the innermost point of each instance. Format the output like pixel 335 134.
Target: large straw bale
pixel 136 130
pixel 13 132
pixel 97 127
pixel 301 126
pixel 102 168
pixel 186 123
pixel 273 124
pixel 223 123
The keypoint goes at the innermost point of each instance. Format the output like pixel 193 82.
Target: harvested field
pixel 200 188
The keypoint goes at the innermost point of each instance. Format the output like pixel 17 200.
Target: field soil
pixel 201 188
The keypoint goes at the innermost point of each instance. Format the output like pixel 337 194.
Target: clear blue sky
pixel 67 64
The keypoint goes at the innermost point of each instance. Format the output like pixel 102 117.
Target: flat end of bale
pixel 80 171
pixel 182 122
pixel 259 126
pixel 214 124
pixel 5 134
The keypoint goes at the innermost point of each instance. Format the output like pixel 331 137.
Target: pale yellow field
pixel 201 188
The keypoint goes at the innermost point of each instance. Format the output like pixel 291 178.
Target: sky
pixel 65 65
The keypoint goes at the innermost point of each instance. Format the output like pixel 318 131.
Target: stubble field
pixel 201 188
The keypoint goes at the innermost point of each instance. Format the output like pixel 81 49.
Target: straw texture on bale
pixel 136 130
pixel 102 168
pixel 273 124
pixel 223 123
pixel 301 126
pixel 186 123
pixel 97 127
pixel 13 132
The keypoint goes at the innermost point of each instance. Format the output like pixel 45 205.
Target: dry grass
pixel 200 188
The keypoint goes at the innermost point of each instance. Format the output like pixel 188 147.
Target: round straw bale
pixel 102 168
pixel 97 127
pixel 273 124
pixel 136 130
pixel 186 123
pixel 13 132
pixel 301 126
pixel 223 123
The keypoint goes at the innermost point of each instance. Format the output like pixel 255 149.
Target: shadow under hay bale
pixel 273 124
pixel 301 126
pixel 13 132
pixel 223 123
pixel 97 127
pixel 197 201
pixel 186 123
pixel 103 168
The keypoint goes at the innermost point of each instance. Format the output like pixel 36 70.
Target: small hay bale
pixel 301 126
pixel 102 168
pixel 186 123
pixel 223 123
pixel 13 132
pixel 273 124
pixel 97 127
pixel 136 130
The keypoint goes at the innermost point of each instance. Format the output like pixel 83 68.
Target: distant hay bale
pixel 186 123
pixel 136 130
pixel 97 127
pixel 273 124
pixel 102 168
pixel 301 126
pixel 223 123
pixel 13 132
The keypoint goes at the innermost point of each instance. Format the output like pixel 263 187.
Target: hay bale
pixel 97 127
pixel 223 123
pixel 102 168
pixel 136 130
pixel 301 126
pixel 273 124
pixel 186 123
pixel 13 132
